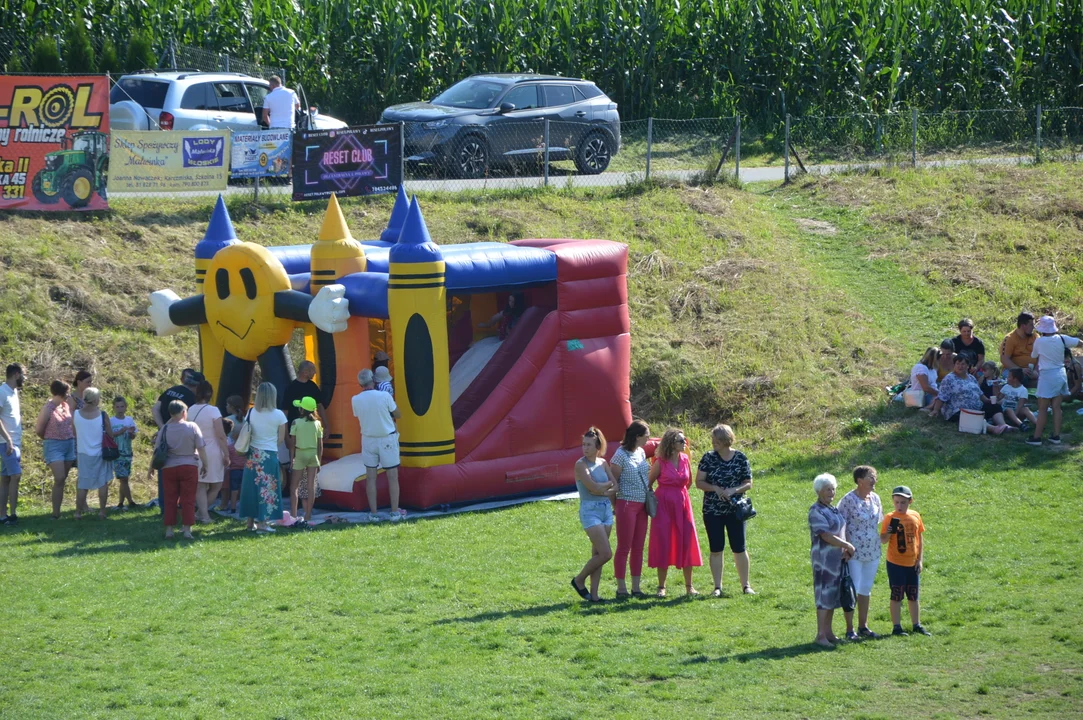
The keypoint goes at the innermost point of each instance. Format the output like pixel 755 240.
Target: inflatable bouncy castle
pixel 501 354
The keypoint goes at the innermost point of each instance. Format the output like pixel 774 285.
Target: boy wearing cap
pixel 902 532
pixel 1052 377
pixel 307 447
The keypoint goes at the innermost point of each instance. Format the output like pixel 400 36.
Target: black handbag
pixel 743 508
pixel 847 594
pixel 161 450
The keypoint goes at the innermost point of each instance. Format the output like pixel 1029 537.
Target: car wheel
pixel 592 156
pixel 40 195
pixel 471 158
pixel 78 188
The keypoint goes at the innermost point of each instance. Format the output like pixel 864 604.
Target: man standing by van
pixel 280 106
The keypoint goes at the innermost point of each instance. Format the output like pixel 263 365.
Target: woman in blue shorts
pixel 57 432
pixel 595 482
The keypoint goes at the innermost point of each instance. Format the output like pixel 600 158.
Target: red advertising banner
pixel 54 142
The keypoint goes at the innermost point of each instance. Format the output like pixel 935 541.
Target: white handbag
pixel 914 397
pixel 972 421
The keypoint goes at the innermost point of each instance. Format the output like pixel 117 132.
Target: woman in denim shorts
pixel 57 432
pixel 595 482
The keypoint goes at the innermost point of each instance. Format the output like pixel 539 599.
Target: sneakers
pixel 1036 442
pixel 921 631
pixel 897 630
pixel 12 519
pixel 1055 439
pixel 399 515
pixel 851 636
pixel 866 633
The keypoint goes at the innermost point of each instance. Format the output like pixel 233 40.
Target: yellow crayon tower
pixel 416 300
pixel 341 356
pixel 220 234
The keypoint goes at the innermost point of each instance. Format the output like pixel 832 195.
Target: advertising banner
pixel 174 161
pixel 363 160
pixel 261 154
pixel 54 142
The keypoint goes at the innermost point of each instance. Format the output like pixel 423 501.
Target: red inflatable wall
pixel 527 434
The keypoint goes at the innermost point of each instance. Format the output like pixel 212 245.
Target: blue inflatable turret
pixel 398 216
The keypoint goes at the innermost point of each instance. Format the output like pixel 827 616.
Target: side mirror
pixel 506 107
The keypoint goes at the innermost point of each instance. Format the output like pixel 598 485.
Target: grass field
pixel 783 311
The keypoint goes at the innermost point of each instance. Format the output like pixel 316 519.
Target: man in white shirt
pixel 377 413
pixel 280 106
pixel 11 440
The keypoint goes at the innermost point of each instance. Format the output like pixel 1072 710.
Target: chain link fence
pixel 178 56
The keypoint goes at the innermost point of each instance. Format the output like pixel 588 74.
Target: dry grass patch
pixel 693 300
pixel 728 272
pixel 654 264
pixel 817 227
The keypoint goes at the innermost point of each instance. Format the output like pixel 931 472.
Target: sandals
pixel 748 590
pixel 717 592
pixel 582 591
pixel 661 592
pixel 623 595
pixel 691 591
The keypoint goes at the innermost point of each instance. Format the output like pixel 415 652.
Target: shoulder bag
pixel 650 500
pixel 743 508
pixel 244 437
pixel 847 594
pixel 161 450
pixel 110 451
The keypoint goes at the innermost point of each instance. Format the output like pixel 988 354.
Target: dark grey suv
pixel 491 121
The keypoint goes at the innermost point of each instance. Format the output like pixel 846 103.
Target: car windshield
pixel 471 94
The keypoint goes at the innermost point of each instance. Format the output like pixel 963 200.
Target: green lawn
pixel 782 311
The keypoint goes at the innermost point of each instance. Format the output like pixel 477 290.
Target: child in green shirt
pixel 307 433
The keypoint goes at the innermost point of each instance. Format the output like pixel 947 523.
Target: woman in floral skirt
pixel 261 485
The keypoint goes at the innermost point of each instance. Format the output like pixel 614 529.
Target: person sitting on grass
pixel 945 364
pixel 924 375
pixel 1016 348
pixel 1013 398
pixel 967 342
pixel 903 532
pixel 994 411
pixel 958 391
pixel 1052 377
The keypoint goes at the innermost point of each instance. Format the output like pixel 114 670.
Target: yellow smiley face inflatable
pixel 239 291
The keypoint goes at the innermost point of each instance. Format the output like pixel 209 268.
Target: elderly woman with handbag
pixel 830 548
pixel 724 476
pixel 630 469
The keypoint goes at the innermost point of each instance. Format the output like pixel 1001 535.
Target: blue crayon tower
pixel 220 234
pixel 416 301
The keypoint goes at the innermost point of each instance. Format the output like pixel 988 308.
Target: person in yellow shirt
pixel 1016 348
pixel 902 532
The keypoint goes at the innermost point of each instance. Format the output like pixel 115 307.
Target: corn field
pixel 673 58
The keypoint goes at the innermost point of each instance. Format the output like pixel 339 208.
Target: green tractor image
pixel 76 171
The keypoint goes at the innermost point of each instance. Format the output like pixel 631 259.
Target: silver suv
pixel 194 100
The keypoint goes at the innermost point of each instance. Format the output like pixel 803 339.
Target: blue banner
pixel 261 154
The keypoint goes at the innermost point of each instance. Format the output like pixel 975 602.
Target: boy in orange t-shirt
pixel 902 532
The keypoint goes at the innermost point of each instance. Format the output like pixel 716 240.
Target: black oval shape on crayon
pixel 418 364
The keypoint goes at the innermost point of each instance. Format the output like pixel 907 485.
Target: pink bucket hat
pixel 1046 325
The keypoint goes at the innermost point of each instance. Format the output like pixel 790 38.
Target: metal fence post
pixel 787 150
pixel 1038 133
pixel 172 53
pixel 737 151
pixel 545 141
pixel 879 135
pixel 402 154
pixel 650 141
pixel 914 137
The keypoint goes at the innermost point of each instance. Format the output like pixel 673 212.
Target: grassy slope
pixel 780 310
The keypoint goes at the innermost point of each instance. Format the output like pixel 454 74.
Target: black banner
pixel 363 160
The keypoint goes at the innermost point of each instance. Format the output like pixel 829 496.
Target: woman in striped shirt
pixel 630 468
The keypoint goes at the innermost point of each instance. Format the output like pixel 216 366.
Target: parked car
pixel 496 120
pixel 195 100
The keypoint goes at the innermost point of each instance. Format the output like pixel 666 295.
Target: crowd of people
pixel 1035 359
pixel 243 462
pixel 635 494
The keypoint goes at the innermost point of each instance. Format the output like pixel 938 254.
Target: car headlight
pixel 435 124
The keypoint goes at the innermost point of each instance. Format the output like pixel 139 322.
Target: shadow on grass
pixel 586 608
pixel 775 653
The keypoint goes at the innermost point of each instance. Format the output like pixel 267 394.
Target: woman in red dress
pixel 673 532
